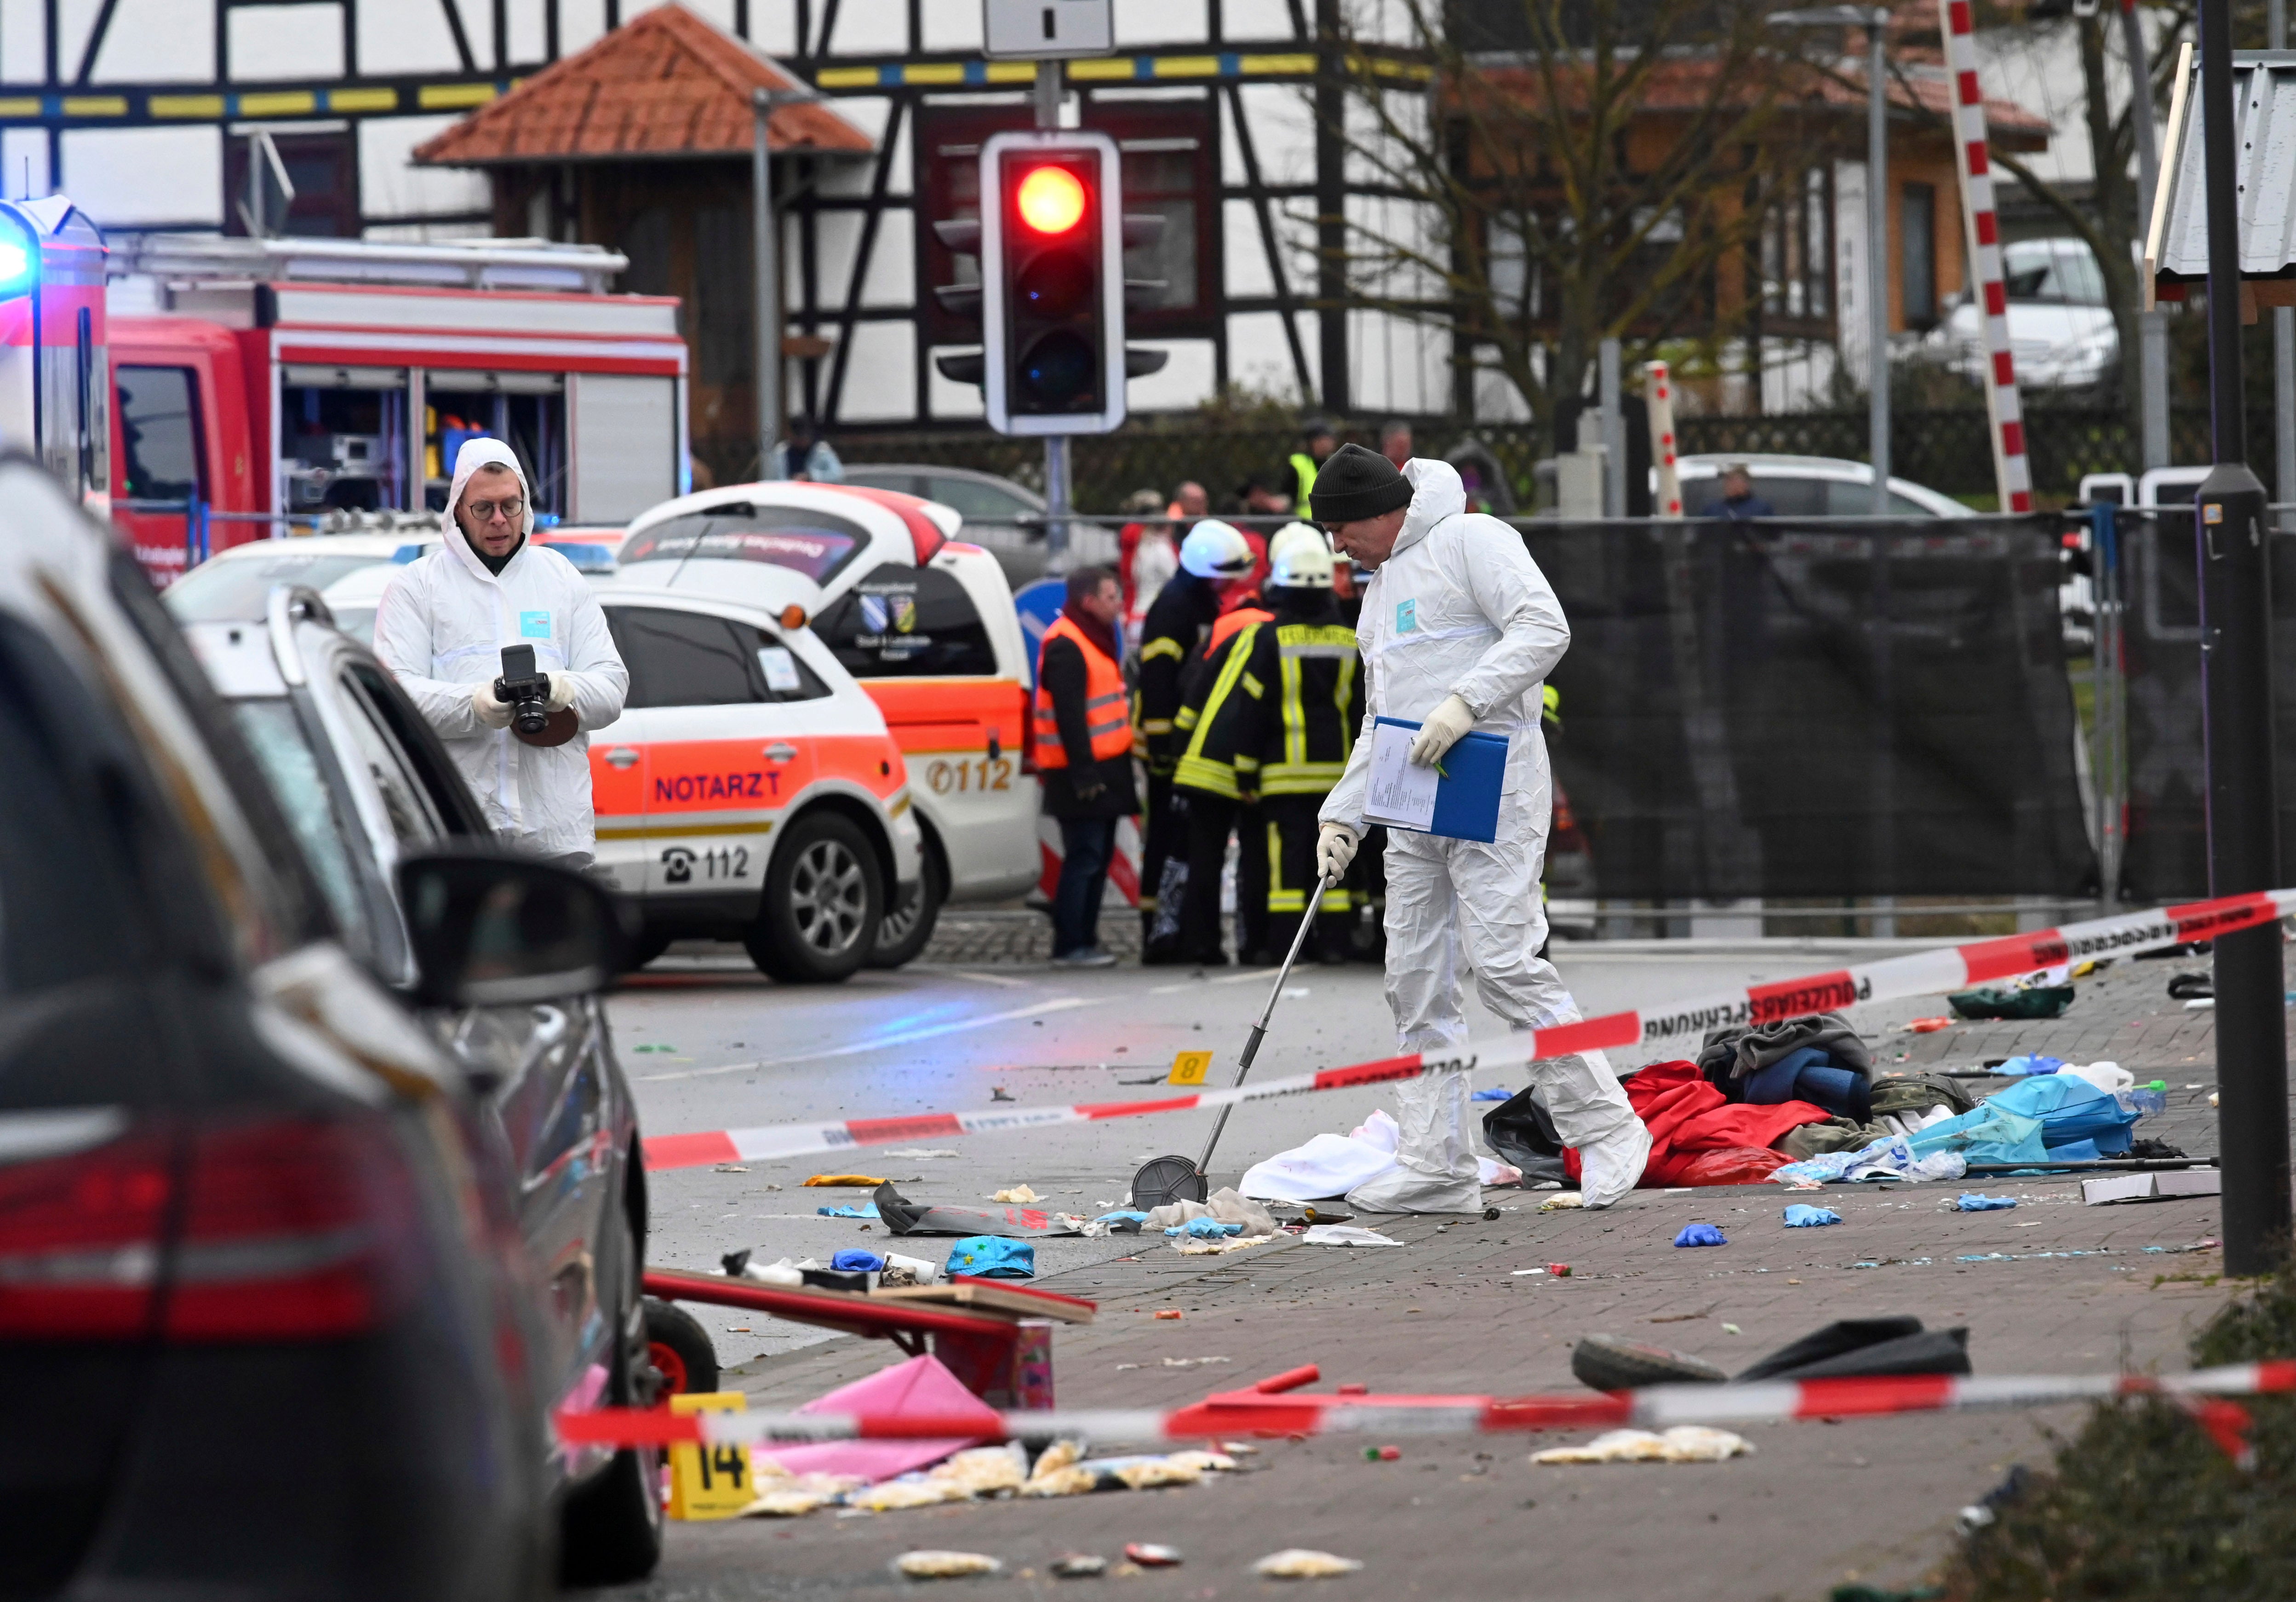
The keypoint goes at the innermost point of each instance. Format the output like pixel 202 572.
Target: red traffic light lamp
pixel 1051 200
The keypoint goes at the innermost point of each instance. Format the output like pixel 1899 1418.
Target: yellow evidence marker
pixel 1189 1068
pixel 709 1481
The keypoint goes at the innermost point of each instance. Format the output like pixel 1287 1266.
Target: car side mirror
pixel 493 930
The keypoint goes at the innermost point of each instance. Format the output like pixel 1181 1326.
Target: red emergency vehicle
pixel 263 383
pixel 51 342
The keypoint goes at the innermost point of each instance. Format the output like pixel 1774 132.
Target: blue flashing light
pixel 409 553
pixel 19 268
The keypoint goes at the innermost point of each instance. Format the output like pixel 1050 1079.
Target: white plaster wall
pixel 284 42
pixel 1258 358
pixel 1185 381
pixel 391 185
pixel 125 176
pixel 880 377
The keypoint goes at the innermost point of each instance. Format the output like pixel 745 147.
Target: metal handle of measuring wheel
pixel 1259 1030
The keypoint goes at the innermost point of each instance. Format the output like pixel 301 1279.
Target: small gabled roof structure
pixel 2264 110
pixel 668 85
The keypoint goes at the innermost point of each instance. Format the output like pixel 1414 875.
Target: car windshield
pixel 275 733
pixel 2053 272
pixel 817 544
pixel 236 589
pixel 979 502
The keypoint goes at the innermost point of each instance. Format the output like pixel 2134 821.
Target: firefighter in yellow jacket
pixel 1281 702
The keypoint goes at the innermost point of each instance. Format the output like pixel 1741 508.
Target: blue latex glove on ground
pixel 857 1262
pixel 1121 1212
pixel 1799 1217
pixel 867 1210
pixel 1206 1228
pixel 1494 1094
pixel 1971 1202
pixel 1700 1234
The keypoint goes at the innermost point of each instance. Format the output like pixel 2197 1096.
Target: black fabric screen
pixel 1819 711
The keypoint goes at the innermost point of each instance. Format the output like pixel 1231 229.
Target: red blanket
pixel 1690 1119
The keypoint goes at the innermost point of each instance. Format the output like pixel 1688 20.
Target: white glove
pixel 493 713
pixel 1440 731
pixel 561 691
pixel 1335 848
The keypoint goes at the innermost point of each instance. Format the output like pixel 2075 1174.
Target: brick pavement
pixel 1818 1505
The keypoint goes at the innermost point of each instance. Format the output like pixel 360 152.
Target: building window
pixel 323 168
pixel 1917 247
pixel 1169 167
pixel 1797 251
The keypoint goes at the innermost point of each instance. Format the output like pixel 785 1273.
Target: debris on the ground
pixel 999 1093
pixel 1971 1202
pixel 1801 1217
pixel 930 1565
pixel 1018 1195
pixel 856 1261
pixel 1383 1454
pixel 1078 1566
pixel 2019 1002
pixel 1603 1362
pixel 844 1182
pixel 1518 1273
pixel 896 1494
pixel 1018 1222
pixel 1700 1234
pixel 1227 1205
pixel 731 1168
pixel 988 1257
pixel 2152 1187
pixel 1213 1248
pixel 1346 1234
pixel 984 1470
pixel 1733 1329
pixel 1928 1026
pixel 1684 1443
pixel 920 1151
pixel 1682 1318
pixel 848 1210
pixel 1299 1563
pixel 1317 1215
pixel 1494 1094
pixel 1168 1313
pixel 1149 1555
pixel 1561 1270
pixel 780 1503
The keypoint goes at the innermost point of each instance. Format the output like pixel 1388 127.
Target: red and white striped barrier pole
pixel 1658 400
pixel 2012 471
pixel 1280 1413
pixel 1918 974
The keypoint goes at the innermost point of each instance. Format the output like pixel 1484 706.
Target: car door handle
pixel 781 751
pixel 621 756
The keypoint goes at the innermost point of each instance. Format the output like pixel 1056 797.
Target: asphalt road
pixel 711 1045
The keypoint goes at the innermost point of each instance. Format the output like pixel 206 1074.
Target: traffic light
pixel 1051 299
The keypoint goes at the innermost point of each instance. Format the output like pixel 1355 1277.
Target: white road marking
pixel 1059 1004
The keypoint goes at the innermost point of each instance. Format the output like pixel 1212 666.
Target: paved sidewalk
pixel 2050 1286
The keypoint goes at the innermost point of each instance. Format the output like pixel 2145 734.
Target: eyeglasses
pixel 484 511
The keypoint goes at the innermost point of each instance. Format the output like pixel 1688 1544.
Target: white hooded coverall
pixel 1461 609
pixel 440 629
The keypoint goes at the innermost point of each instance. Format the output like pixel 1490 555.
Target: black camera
pixel 525 690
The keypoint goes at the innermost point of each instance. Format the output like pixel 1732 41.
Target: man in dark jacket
pixel 1213 556
pixel 1083 752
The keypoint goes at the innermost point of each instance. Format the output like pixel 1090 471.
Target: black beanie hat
pixel 1356 483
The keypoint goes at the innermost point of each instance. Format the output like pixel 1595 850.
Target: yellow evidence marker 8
pixel 705 1481
pixel 1189 1068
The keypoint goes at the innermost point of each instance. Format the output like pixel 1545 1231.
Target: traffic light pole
pixel 2236 723
pixel 1056 446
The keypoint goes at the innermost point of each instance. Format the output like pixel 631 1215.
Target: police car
pixel 926 624
pixel 750 790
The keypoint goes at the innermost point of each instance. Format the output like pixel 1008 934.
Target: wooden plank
pixel 985 1296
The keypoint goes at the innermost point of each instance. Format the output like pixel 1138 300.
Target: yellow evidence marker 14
pixel 1189 1068
pixel 709 1481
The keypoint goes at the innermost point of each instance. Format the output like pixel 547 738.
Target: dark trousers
pixel 1366 883
pixel 1211 818
pixel 1292 829
pixel 1086 844
pixel 1163 835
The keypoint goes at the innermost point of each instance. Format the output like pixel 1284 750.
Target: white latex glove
pixel 1440 731
pixel 493 713
pixel 561 691
pixel 1335 848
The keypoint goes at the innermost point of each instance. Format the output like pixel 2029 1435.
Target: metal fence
pixel 1947 450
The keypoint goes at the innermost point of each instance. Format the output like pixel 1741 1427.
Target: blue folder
pixel 1467 795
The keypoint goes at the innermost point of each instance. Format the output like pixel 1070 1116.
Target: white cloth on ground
pixel 1226 1206
pixel 1460 609
pixel 440 629
pixel 1331 1165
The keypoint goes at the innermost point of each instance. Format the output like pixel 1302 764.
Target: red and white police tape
pixel 1276 1413
pixel 1917 973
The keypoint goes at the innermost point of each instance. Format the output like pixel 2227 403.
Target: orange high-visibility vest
pixel 1107 718
pixel 1243 616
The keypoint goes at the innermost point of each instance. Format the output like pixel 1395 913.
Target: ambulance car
pixel 750 790
pixel 926 624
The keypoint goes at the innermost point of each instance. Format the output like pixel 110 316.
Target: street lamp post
pixel 766 244
pixel 1875 20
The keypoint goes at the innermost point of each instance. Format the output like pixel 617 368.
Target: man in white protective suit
pixel 1459 631
pixel 440 629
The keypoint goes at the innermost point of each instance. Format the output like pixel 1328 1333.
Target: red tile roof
pixel 666 84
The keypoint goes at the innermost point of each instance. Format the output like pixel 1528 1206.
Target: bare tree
pixel 2118 213
pixel 1594 181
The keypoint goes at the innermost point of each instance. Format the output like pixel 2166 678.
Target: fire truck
pixel 260 386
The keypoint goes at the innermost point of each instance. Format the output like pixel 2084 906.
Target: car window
pixel 159 432
pixel 238 589
pixel 1857 500
pixel 906 624
pixel 1789 497
pixel 692 659
pixel 985 503
pixel 315 812
pixel 818 543
pixel 451 801
pixel 870 478
pixel 415 821
pixel 782 672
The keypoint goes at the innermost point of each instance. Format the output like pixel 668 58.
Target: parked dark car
pixel 265 1272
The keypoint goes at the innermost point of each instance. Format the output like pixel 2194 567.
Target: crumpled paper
pixel 1226 1206
pixel 1684 1443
